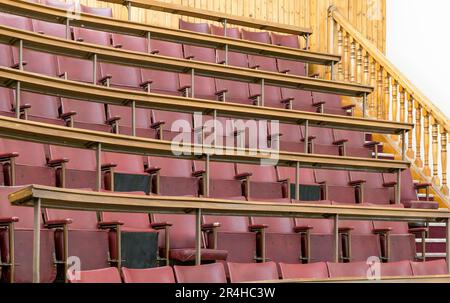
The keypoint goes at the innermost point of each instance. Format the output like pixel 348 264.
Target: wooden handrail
pixel 83 91
pixel 125 57
pixel 397 99
pixel 18 129
pixel 390 68
pixel 55 15
pixel 214 16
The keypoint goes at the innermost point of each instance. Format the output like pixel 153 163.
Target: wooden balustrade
pixel 395 98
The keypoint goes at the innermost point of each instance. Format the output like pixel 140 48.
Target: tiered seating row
pixel 87 19
pixel 434 271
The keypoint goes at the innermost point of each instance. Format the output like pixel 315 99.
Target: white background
pixel 418 43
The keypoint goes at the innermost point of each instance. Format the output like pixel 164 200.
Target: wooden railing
pixel 395 98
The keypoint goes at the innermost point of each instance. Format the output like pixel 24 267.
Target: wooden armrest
pixel 382 231
pixel 422 185
pixel 105 79
pixel 243 176
pixel 157 125
pixel 58 223
pixel 303 229
pixel 257 227
pixel 68 115
pixel 345 229
pixel 221 92
pixel 350 106
pixel 356 182
pixel 418 230
pixel 8 156
pixel 108 166
pixel 57 162
pixel 340 142
pixel 390 184
pixel 113 120
pixel 160 225
pixel 198 173
pixel 371 144
pixel 109 225
pixel 152 170
pixel 211 226
pixel 8 221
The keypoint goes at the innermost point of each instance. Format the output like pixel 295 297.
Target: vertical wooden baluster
pixel 359 64
pixel 394 104
pixel 387 95
pixel 352 76
pixel 418 128
pixel 410 101
pixel 366 78
pixel 444 142
pixel 346 57
pixel 426 143
pixel 340 51
pixel 402 115
pixel 435 149
pixel 373 83
pixel 379 92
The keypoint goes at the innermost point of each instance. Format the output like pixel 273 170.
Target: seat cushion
pixel 188 254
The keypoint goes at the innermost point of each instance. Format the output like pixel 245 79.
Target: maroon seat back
pixel 337 185
pixel 208 273
pixel 59 4
pixel 175 176
pixel 396 269
pixel 196 52
pixel 126 163
pixel 174 123
pixel 408 192
pixel 306 175
pixel 276 224
pixel 222 182
pixel 50 29
pixel 291 138
pixel 182 231
pixel 374 191
pixel 6 97
pixel 248 272
pixel 31 164
pixel 332 103
pixel 319 226
pixel 323 141
pixel 263 181
pixel 348 270
pixel 106 275
pixel 81 220
pixel 138 221
pixel 148 275
pixel 354 145
pixel 429 268
pixel 317 270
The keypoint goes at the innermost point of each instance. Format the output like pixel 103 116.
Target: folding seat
pixel 371 187
pixel 396 269
pixel 398 241
pixel 359 240
pixel 322 141
pixel 317 270
pixel 277 238
pixel 317 237
pixel 309 189
pixel 353 144
pixel 252 272
pixel 37 107
pixel 204 87
pixel 289 66
pixel 173 177
pixel 150 275
pixel 348 270
pixel 83 237
pixel 135 239
pixel 75 168
pixel 263 182
pixel 409 191
pixel 59 4
pixel 17 230
pixel 208 273
pixel 331 104
pixel 86 115
pixel 289 138
pixel 430 268
pixel 223 180
pixel 25 163
pixel 227 90
pixel 104 275
pixel 6 96
pixel 170 125
pixel 272 94
pixel 99 11
pixel 294 98
pixel 336 185
pixel 125 173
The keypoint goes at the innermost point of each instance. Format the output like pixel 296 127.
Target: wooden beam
pixel 62 198
pixel 83 91
pixel 51 14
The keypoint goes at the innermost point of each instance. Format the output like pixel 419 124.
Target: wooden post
pixel 94 69
pixel 418 128
pixel 207 175
pixel 198 237
pixel 444 142
pixel 306 137
pixel 37 241
pixel 410 101
pixel 387 95
pixel 373 83
pixel 366 76
pixel 336 238
pixel 394 104
pixel 346 57
pixel 99 166
pixel 359 64
pixel 426 143
pixel 340 52
pixel 17 99
pixel 330 31
pixel 297 181
pixel 435 149
pixel 352 76
pixel 133 118
pixel 379 100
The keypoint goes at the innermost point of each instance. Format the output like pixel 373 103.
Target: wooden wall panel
pixel 369 16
